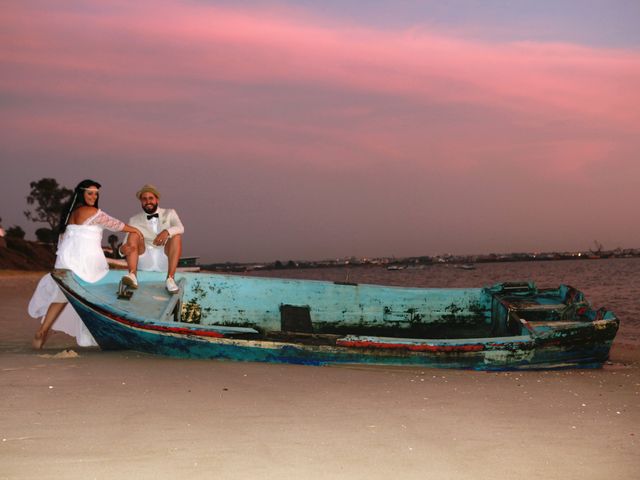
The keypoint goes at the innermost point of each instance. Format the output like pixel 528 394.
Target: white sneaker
pixel 171 285
pixel 130 280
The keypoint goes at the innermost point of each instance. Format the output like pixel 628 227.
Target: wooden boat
pixel 507 326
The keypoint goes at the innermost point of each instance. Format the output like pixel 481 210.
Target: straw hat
pixel 148 188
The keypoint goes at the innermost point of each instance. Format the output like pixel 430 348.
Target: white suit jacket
pixel 167 220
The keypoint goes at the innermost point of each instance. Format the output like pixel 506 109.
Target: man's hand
pixel 162 238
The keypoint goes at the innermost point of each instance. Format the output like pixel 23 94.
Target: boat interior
pixel 322 312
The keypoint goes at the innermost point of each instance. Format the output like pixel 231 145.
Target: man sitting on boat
pixel 161 246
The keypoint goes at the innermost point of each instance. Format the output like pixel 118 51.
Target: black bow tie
pixel 149 217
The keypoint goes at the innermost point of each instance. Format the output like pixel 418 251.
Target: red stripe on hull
pixel 414 348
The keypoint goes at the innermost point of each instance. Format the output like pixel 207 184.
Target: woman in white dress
pixel 80 250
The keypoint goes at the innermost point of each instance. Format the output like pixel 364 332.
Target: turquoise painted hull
pixel 508 326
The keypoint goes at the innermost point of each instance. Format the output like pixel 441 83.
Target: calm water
pixel 612 283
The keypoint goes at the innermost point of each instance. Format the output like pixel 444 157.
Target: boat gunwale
pixel 349 340
pixel 163 328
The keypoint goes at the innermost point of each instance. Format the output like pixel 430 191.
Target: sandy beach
pixel 83 413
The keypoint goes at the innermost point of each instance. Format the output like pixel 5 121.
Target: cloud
pixel 425 116
pixel 148 50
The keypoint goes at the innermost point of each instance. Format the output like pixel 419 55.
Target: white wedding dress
pixel 79 250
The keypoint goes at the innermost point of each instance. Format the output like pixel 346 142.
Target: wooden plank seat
pixel 536 307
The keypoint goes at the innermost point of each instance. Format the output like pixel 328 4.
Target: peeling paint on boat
pixel 507 326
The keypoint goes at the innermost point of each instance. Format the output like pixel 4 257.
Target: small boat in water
pixel 466 266
pixel 503 327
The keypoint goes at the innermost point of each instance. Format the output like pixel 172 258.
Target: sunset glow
pixel 284 132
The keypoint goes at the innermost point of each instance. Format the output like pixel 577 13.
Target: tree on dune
pixel 48 200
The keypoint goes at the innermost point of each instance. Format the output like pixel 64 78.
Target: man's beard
pixel 150 208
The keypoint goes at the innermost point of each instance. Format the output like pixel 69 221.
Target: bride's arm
pixel 105 220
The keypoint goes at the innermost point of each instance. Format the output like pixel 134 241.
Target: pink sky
pixel 278 132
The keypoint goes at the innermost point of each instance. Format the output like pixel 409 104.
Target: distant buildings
pixel 394 263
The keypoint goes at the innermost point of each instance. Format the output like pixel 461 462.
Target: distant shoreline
pixel 22 254
pixel 412 262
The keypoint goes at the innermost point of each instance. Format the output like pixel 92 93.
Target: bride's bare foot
pixel 38 340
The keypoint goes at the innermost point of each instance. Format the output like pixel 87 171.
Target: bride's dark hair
pixel 77 200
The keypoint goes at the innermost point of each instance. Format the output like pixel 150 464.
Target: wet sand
pixel 129 415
